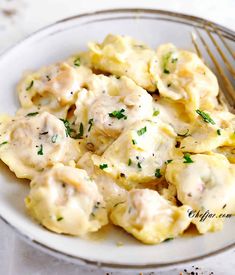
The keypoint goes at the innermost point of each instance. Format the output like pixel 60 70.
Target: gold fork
pixel 228 91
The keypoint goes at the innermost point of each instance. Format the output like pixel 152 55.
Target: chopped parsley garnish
pixel 206 117
pixel 168 239
pixel 142 131
pixel 40 151
pixel 165 61
pixel 118 114
pixel 158 173
pixel 60 219
pixel 187 158
pixel 134 141
pixel 185 134
pixel 166 71
pixel 129 162
pixel 32 114
pixel 77 62
pixel 174 60
pixel 90 122
pixel 139 165
pixel 3 143
pixel 30 86
pixel 156 113
pixel 103 166
pixel 169 161
pixel 218 132
pixel 68 129
pixel 54 138
pixel 81 131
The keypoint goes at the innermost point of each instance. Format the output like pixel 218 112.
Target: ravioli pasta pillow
pixel 109 107
pixel 140 154
pixel 66 200
pixel 209 131
pixel 182 76
pixel 149 217
pixel 206 183
pixel 52 88
pixel 33 142
pixel 122 55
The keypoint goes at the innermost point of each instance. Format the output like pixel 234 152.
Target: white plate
pixel 55 43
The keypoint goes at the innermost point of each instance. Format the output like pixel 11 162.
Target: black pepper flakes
pixel 177 145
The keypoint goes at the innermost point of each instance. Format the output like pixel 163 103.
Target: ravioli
pixel 52 88
pixel 206 184
pixel 33 142
pixel 108 107
pixel 182 76
pixel 206 135
pixel 65 200
pixel 122 55
pixel 148 146
pixel 149 217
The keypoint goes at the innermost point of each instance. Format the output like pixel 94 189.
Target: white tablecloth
pixel 18 18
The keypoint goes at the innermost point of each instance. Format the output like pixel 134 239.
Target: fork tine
pixel 193 38
pixel 222 39
pixel 226 61
pixel 227 83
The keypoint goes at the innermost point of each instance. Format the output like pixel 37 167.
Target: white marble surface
pixel 18 18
